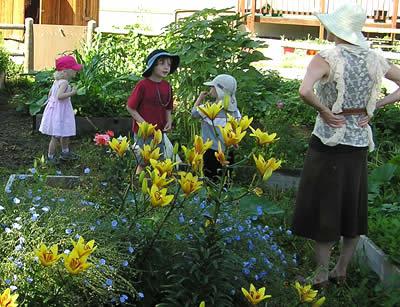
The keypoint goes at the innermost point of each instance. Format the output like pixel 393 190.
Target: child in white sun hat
pixel 220 87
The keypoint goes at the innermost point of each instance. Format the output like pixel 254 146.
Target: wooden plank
pixel 380 30
pixel 11 26
pixel 49 12
pixel 322 5
pixel 12 12
pixel 52 40
pixel 288 21
pixel 252 18
pixel 92 12
pixel 67 12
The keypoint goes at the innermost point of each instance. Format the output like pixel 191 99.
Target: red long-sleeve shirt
pixel 151 100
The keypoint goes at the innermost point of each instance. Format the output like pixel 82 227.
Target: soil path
pixel 18 146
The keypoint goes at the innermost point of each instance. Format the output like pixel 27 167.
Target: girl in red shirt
pixel 151 99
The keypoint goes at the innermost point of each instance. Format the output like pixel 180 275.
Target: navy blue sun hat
pixel 151 61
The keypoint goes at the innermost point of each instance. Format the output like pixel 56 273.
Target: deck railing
pixel 381 13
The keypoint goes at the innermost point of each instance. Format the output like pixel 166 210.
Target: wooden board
pixel 69 12
pixel 12 11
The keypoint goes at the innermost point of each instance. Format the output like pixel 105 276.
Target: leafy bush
pixel 4 59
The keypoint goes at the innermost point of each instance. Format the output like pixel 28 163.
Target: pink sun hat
pixel 67 62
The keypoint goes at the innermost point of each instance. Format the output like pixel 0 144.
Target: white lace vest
pixel 354 81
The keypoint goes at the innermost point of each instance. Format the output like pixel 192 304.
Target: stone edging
pixel 378 261
pixel 91 125
pixel 66 182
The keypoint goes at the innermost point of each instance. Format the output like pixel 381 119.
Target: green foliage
pixel 383 195
pixel 384 230
pixel 4 59
pixel 209 43
pixel 386 126
pixel 202 272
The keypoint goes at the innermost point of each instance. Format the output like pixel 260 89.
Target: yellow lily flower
pixel 263 138
pixel 120 147
pixel 75 264
pixel 211 110
pixel 157 138
pixel 159 198
pixel 83 248
pixel 8 300
pixel 255 296
pixel 159 180
pixel 245 122
pixel 146 130
pixel 220 156
pixel 320 302
pixel 233 121
pixel 148 152
pixel 193 158
pixel 189 183
pixel 199 146
pixel 306 293
pixel 202 304
pixel 231 136
pixel 47 257
pixel 166 166
pixel 266 167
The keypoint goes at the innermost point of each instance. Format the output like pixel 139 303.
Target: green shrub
pixel 4 59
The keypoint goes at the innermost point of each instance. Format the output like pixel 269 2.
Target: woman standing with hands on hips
pixel 332 198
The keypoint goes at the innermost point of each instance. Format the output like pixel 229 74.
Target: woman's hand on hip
pixel 364 121
pixel 333 120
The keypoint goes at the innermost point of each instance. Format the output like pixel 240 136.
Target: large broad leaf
pixel 36 106
pixel 383 173
pixel 248 205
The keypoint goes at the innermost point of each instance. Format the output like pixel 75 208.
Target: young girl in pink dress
pixel 58 119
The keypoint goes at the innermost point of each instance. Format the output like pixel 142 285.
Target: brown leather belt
pixel 355 111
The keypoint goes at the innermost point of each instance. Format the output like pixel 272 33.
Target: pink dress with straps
pixel 58 116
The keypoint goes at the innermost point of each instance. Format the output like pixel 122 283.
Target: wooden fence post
pixel 394 17
pixel 252 18
pixel 322 10
pixel 91 26
pixel 28 46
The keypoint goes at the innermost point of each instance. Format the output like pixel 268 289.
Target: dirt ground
pixel 18 146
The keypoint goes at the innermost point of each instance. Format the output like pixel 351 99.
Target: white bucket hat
pixel 346 23
pixel 225 85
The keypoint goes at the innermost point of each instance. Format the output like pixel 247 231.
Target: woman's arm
pixel 316 70
pixel 393 74
pixel 62 92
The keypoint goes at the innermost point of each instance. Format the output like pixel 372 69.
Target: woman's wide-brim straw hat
pixel 346 23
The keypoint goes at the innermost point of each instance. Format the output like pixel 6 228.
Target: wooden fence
pixel 27 28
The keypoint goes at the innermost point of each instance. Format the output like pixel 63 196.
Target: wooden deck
pixel 382 14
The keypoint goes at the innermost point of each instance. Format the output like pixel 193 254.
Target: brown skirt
pixel 332 197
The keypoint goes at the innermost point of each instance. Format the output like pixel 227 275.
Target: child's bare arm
pixel 135 114
pixel 201 98
pixel 64 92
pixel 168 125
